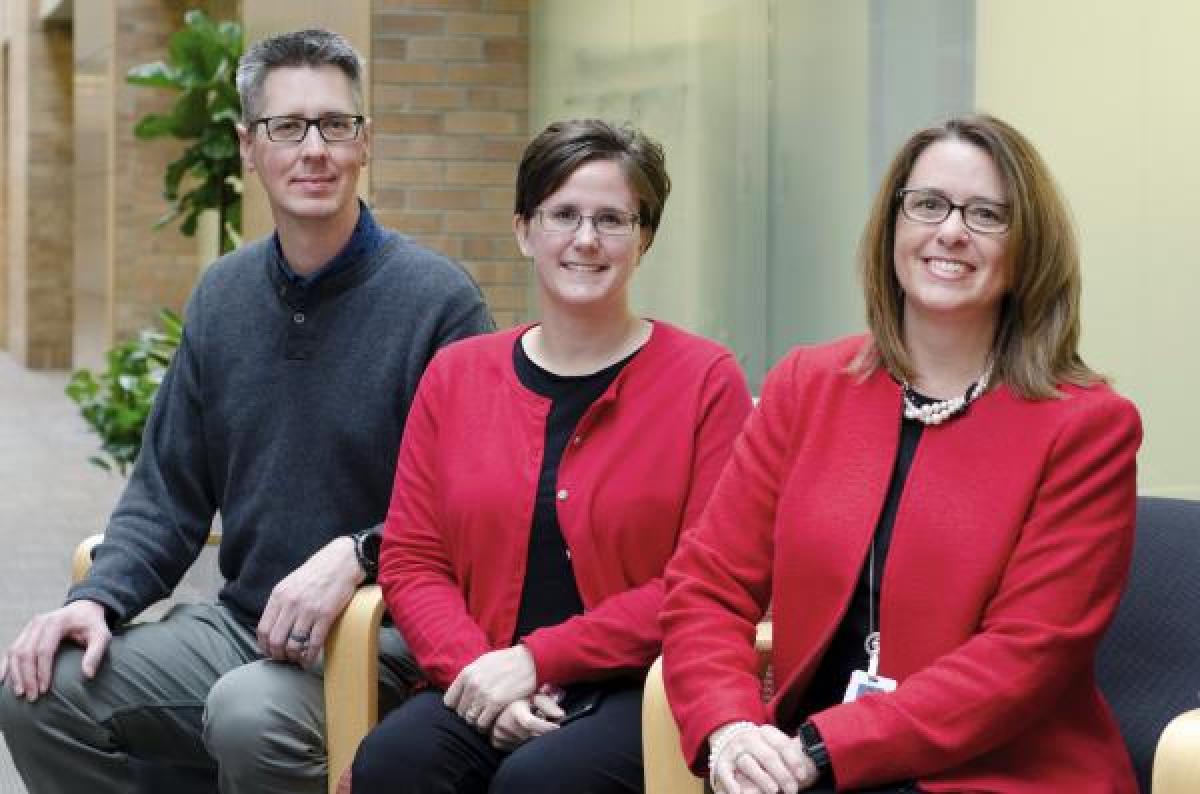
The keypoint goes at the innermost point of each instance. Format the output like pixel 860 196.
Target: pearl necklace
pixel 935 413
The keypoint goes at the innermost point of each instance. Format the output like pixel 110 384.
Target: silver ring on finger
pixel 299 638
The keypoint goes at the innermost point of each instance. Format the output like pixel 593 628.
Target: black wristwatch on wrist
pixel 366 550
pixel 814 748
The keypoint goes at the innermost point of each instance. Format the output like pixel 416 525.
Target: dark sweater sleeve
pixel 165 512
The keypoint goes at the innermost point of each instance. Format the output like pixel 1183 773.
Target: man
pixel 282 410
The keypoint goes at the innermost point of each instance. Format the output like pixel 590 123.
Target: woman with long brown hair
pixel 941 513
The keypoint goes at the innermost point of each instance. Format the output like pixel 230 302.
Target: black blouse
pixel 550 595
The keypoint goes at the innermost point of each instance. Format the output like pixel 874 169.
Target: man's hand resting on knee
pixel 28 665
pixel 303 607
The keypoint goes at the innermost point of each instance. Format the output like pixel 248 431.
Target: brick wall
pixel 152 268
pixel 449 100
pixel 50 182
pixel 125 270
pixel 4 121
pixel 40 188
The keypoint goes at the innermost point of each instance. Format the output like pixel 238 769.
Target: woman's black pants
pixel 425 748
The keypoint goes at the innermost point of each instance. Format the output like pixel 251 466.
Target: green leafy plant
pixel 117 402
pixel 201 65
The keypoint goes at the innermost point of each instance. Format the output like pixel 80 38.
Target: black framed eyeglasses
pixel 334 128
pixel 607 223
pixel 927 205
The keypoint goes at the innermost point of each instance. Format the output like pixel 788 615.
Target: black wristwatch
pixel 814 748
pixel 366 550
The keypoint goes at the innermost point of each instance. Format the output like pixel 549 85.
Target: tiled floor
pixel 52 497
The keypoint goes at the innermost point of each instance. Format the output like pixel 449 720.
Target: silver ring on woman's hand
pixel 299 639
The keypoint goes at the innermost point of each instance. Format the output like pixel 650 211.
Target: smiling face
pixel 948 271
pixel 582 270
pixel 309 181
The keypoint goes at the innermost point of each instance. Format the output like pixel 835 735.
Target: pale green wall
pixel 1107 91
pixel 778 116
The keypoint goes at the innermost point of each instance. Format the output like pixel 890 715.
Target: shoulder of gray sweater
pixel 229 278
pixel 422 268
pixel 235 266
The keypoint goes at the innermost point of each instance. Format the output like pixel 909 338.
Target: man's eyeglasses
pixel 926 205
pixel 334 128
pixel 607 223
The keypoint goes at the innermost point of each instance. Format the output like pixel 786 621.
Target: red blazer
pixel 639 469
pixel 1009 553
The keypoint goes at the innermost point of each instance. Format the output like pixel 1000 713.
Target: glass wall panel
pixel 693 76
pixel 819 166
pixel 850 81
pixel 776 115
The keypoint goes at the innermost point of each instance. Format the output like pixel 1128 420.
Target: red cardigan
pixel 1010 549
pixel 641 465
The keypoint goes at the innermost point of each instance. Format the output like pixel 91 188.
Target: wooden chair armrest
pixel 666 769
pixel 81 560
pixel 1177 757
pixel 351 676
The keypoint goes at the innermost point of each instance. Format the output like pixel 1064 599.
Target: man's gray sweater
pixel 282 409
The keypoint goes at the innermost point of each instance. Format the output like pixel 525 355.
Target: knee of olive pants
pixel 50 738
pixel 146 701
pixel 264 722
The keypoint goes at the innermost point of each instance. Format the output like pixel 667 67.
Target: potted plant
pixel 201 65
pixel 117 402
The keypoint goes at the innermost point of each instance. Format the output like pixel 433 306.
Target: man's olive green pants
pixel 190 690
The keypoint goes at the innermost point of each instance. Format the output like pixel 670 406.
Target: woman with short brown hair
pixel 545 477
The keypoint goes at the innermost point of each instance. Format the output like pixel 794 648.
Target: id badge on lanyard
pixel 869 682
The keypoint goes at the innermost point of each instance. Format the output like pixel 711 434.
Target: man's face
pixel 308 180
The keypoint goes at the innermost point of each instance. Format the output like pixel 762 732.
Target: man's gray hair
pixel 311 48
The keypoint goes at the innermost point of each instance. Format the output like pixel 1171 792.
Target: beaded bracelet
pixel 715 748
